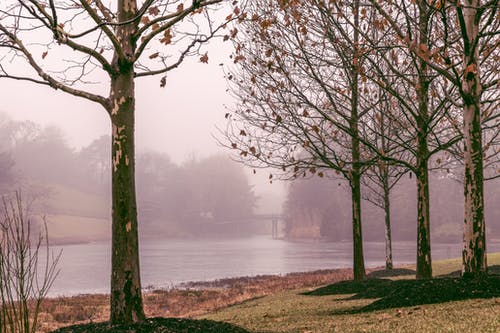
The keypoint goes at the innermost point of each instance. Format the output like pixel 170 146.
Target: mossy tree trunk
pixel 474 252
pixel 126 297
pixel 424 260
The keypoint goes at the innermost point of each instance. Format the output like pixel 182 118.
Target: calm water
pixel 85 268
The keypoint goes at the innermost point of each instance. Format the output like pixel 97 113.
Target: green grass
pixel 401 304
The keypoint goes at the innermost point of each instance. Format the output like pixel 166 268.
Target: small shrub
pixel 24 280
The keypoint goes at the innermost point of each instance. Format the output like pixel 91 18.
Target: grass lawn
pixel 400 304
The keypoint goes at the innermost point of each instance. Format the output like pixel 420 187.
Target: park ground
pixel 321 301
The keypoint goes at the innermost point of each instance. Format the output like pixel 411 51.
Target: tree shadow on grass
pixel 374 287
pixel 157 325
pixel 383 273
pixel 492 270
pixel 406 293
pixel 352 287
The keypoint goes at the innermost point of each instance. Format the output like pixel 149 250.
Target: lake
pixel 85 268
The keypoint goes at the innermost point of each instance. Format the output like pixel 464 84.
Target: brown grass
pixel 189 300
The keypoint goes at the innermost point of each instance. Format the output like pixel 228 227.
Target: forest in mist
pixel 72 186
pixel 208 196
pixel 319 208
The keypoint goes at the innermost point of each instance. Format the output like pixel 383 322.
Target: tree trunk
pixel 474 252
pixel 383 170
pixel 424 261
pixel 126 297
pixel 355 177
pixel 357 235
pixel 387 211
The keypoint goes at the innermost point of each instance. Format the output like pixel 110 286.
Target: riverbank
pixel 319 301
pixel 188 300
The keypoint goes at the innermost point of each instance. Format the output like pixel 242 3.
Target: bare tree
pixel 297 81
pixel 422 108
pixel 26 273
pixel 479 25
pixel 381 177
pixel 465 53
pixel 118 43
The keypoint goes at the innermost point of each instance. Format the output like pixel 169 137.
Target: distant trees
pixel 59 168
pixel 173 199
pixel 219 189
pixel 122 42
pixel 195 197
pixel 96 162
pixel 315 208
pixel 7 177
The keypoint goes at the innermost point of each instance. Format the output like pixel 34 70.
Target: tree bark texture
pixel 357 235
pixel 474 252
pixel 383 170
pixel 387 212
pixel 355 176
pixel 126 297
pixel 424 261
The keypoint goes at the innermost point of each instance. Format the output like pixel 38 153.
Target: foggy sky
pixel 179 119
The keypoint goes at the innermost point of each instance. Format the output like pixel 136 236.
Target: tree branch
pixel 49 80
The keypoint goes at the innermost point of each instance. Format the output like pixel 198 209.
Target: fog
pixel 206 195
pixel 181 120
pixel 176 130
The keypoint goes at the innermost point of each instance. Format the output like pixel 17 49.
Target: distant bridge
pixel 273 218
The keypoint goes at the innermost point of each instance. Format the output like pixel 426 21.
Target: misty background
pixel 56 147
pixel 204 195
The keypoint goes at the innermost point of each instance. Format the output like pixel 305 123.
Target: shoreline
pixel 189 300
pixel 198 298
pixel 228 282
pixel 68 240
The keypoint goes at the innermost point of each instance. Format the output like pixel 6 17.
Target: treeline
pixel 319 209
pixel 195 198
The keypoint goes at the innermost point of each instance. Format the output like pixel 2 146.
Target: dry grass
pixel 190 300
pixel 403 305
pixel 278 304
